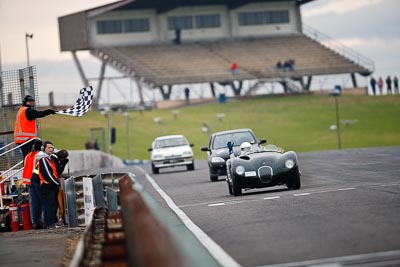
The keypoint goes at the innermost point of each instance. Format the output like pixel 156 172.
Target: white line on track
pixel 252 199
pixel 216 204
pixel 275 197
pixel 301 194
pixel 346 189
pixel 215 250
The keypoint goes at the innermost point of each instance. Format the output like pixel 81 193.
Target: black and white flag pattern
pixel 82 105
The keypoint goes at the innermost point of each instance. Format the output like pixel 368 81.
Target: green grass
pixel 299 123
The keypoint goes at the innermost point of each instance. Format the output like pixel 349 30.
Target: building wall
pixel 73 32
pixel 115 39
pixel 196 33
pixel 228 28
pixel 265 29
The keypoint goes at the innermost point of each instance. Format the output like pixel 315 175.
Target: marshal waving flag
pixel 82 105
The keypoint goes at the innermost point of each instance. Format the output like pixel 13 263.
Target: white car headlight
pixel 289 163
pixel 157 157
pixel 187 154
pixel 217 160
pixel 240 170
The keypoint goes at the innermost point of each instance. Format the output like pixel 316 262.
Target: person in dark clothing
pixel 187 95
pixel 49 169
pixel 96 145
pixel 61 160
pixel 396 84
pixel 35 190
pixel 372 82
pixel 389 85
pixel 177 39
pixel 25 129
pixel 279 65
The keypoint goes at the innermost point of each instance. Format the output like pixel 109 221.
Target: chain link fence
pixel 14 86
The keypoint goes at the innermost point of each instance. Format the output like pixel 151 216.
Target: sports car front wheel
pixel 294 180
pixel 236 189
pixel 230 188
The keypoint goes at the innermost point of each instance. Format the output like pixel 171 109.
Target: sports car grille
pixel 265 174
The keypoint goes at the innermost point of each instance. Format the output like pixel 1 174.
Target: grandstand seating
pixel 206 61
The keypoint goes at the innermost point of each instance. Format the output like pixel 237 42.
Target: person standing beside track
pixel 372 82
pixel 25 128
pixel 49 170
pixel 380 85
pixel 30 162
pixel 396 85
pixel 35 191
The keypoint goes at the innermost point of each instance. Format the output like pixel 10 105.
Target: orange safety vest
pixel 24 129
pixel 29 166
pixel 53 170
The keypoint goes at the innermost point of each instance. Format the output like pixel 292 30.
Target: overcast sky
pixel 370 27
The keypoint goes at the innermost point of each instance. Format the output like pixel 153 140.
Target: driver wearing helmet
pixel 245 148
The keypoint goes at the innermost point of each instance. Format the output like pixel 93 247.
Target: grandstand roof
pixel 163 6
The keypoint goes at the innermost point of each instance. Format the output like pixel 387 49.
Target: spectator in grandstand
pixel 388 85
pixel 279 65
pixel 25 129
pixel 289 64
pixel 396 85
pixel 380 85
pixel 234 68
pixel 372 82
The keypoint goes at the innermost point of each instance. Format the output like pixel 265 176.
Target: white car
pixel 170 151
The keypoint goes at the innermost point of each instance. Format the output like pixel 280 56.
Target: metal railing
pixel 13 173
pixel 338 47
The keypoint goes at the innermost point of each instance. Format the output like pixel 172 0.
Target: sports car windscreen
pixel 171 142
pixel 220 141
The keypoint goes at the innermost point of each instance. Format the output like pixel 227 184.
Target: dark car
pixel 268 167
pixel 218 152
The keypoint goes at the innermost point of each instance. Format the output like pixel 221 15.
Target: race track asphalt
pixel 54 247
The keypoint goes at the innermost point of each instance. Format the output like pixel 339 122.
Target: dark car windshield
pixel 171 142
pixel 237 138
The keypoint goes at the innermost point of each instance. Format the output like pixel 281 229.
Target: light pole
pixel 336 93
pixel 128 131
pixel 27 35
pixel 107 112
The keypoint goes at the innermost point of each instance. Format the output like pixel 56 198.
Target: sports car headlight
pixel 217 160
pixel 289 163
pixel 240 170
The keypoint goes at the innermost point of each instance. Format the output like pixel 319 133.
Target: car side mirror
pixel 150 149
pixel 205 149
pixel 262 141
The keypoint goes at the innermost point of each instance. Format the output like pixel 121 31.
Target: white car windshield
pixel 238 138
pixel 171 142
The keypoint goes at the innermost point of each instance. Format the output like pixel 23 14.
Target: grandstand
pixel 188 42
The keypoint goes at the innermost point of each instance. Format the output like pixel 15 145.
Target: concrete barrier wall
pixel 82 160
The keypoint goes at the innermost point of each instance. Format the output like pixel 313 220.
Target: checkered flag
pixel 82 104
